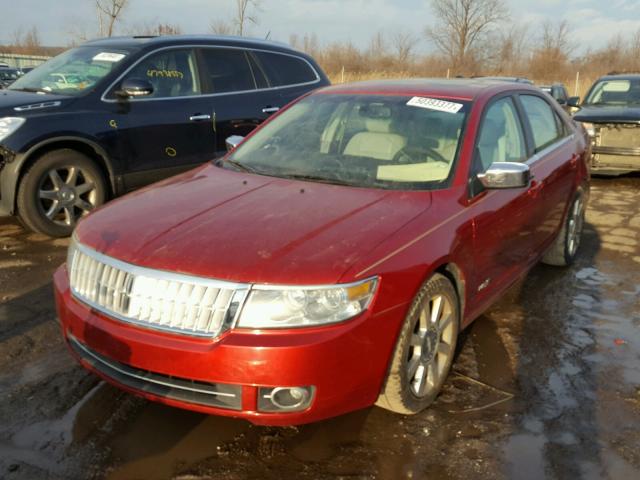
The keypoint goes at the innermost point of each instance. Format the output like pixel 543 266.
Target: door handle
pixel 270 109
pixel 198 118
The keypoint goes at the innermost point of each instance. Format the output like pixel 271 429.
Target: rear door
pixel 238 94
pixel 553 167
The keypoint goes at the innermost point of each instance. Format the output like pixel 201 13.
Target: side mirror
pixel 233 141
pixel 135 87
pixel 561 101
pixel 574 102
pixel 502 175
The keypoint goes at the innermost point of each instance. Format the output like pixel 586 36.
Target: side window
pixel 173 73
pixel 542 119
pixel 227 70
pixel 501 138
pixel 284 70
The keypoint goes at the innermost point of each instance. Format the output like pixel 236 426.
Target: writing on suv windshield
pixel 72 72
pixel 381 141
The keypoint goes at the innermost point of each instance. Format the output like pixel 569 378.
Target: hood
pixel 28 102
pixel 248 228
pixel 608 114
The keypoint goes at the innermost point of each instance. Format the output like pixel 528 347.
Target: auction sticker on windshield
pixel 108 57
pixel 435 104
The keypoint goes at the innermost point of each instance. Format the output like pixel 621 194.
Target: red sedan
pixel 329 261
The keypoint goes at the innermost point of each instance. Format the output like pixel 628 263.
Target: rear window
pixel 542 119
pixel 284 70
pixel 227 70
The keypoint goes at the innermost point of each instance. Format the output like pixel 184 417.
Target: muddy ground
pixel 547 384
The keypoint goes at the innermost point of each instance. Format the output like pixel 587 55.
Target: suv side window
pixel 543 121
pixel 173 73
pixel 282 70
pixel 227 70
pixel 501 138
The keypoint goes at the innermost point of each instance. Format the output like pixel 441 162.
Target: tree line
pixel 469 38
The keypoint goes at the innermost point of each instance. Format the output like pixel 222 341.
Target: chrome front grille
pixel 152 298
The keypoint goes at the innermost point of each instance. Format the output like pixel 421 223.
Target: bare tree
pixel 112 10
pixel 244 15
pixel 403 44
pixel 26 41
pixel 220 27
pixel 551 58
pixel 461 24
pixel 155 28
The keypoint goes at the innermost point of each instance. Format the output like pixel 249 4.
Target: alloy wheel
pixel 576 222
pixel 431 347
pixel 67 193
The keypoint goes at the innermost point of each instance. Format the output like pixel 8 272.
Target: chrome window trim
pixel 550 148
pixel 207 95
pixel 241 292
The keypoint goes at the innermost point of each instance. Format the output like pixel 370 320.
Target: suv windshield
pixel 360 140
pixel 614 92
pixel 72 72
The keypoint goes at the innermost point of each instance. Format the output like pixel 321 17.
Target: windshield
pixel 614 92
pixel 359 140
pixel 72 72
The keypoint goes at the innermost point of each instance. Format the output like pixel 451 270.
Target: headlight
pixel 290 307
pixel 590 128
pixel 8 125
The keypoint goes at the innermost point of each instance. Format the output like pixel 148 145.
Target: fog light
pixel 285 399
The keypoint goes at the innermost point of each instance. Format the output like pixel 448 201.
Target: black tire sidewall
pixel 29 210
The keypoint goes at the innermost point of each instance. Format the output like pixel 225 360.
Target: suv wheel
pixel 425 349
pixel 57 190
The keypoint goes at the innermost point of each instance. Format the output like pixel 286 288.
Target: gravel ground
pixel 546 384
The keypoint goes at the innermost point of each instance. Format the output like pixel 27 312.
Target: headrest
pixel 378 125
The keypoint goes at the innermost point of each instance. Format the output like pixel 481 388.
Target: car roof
pixel 461 89
pixel 621 76
pixel 171 40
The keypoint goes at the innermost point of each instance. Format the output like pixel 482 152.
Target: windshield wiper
pixel 316 178
pixel 239 166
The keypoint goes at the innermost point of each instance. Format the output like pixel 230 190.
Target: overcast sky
pixel 592 22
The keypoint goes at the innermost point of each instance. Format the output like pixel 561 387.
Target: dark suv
pixel 113 115
pixel 611 114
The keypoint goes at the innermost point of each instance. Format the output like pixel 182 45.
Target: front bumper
pixel 346 363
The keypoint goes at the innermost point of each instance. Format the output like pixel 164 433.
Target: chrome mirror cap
pixel 505 175
pixel 135 87
pixel 233 141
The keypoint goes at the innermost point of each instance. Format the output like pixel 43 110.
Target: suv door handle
pixel 198 118
pixel 270 109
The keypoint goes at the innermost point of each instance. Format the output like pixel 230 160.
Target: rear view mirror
pixel 505 175
pixel 233 141
pixel 574 102
pixel 135 87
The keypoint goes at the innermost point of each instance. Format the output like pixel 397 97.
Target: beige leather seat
pixel 377 142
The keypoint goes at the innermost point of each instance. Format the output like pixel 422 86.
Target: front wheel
pixel 57 190
pixel 565 247
pixel 425 349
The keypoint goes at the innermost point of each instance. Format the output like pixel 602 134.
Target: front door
pixel 503 233
pixel 170 130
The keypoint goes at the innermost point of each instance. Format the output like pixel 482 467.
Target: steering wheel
pixel 403 156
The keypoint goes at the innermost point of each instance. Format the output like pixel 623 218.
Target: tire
pixel 57 190
pixel 406 389
pixel 565 247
